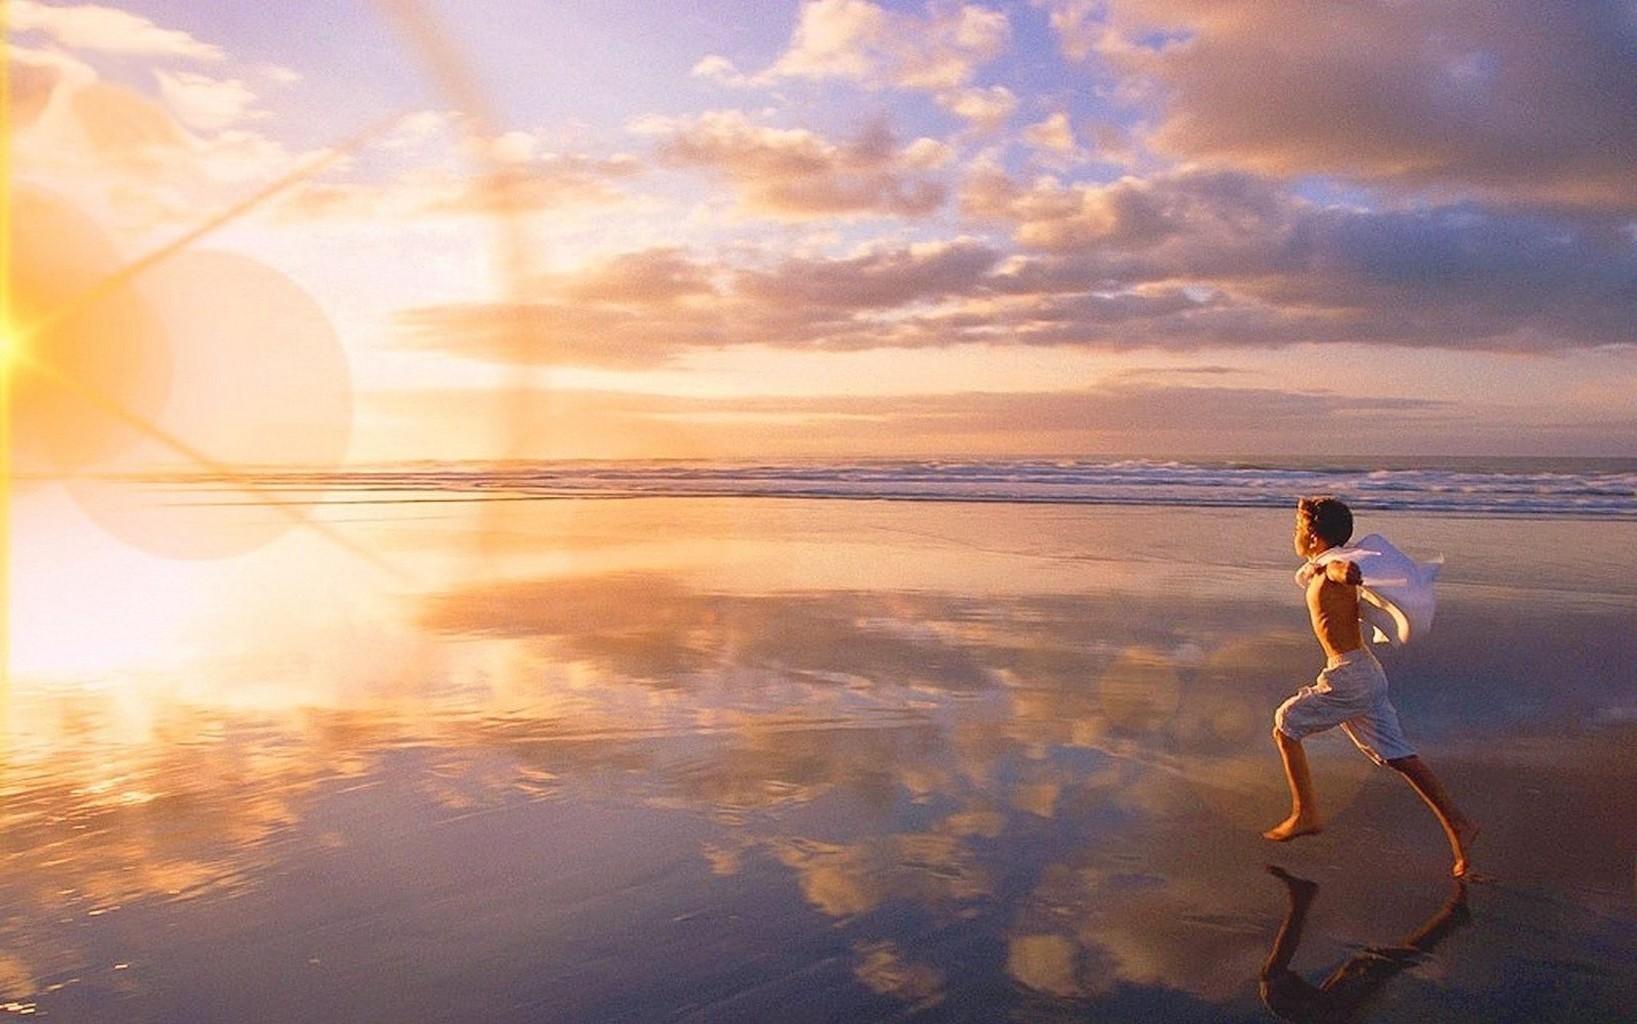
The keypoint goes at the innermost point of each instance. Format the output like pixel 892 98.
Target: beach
pixel 743 758
pixel 782 512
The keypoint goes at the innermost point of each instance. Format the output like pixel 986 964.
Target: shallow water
pixel 744 759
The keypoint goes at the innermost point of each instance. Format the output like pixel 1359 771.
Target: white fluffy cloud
pixel 987 108
pixel 1054 135
pixel 795 173
pixel 866 42
pixel 206 103
pixel 106 29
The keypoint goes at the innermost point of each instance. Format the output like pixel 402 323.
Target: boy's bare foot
pixel 1291 827
pixel 1460 842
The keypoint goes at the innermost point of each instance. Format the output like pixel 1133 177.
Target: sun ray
pixel 515 259
pixel 454 77
pixel 441 57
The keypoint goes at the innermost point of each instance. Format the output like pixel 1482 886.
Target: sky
pixel 403 229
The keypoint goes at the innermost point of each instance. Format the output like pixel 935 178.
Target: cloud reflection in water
pixel 624 785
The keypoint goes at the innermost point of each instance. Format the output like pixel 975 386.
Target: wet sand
pixel 740 760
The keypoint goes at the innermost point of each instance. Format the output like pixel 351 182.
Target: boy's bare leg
pixel 1458 827
pixel 1304 814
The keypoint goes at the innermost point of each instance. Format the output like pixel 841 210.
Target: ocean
pixel 1543 487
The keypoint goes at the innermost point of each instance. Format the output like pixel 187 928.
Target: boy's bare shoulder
pixel 1343 570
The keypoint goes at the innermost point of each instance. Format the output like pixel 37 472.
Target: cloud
pixel 988 109
pixel 884 278
pixel 1238 260
pixel 558 182
pixel 1081 30
pixel 1184 261
pixel 834 38
pixel 558 334
pixel 647 308
pixel 105 29
pixel 796 173
pixel 717 68
pixel 655 277
pixel 1222 211
pixel 206 103
pixel 865 42
pixel 30 89
pixel 128 155
pixel 1497 99
pixel 546 182
pixel 420 127
pixel 72 116
pixel 1192 261
pixel 151 161
pixel 1054 135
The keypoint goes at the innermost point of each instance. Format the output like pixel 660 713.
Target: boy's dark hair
pixel 1329 518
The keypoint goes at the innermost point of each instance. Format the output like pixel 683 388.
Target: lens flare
pixel 258 382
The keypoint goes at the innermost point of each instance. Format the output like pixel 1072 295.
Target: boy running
pixel 1351 691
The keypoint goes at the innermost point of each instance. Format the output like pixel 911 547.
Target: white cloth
pixel 1397 601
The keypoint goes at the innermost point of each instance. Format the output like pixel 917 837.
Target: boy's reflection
pixel 1346 994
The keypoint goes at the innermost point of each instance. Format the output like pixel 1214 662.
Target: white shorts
pixel 1351 692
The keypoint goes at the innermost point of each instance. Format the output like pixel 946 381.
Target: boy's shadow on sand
pixel 1346 994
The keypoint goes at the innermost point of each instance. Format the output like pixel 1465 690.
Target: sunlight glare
pixel 13 348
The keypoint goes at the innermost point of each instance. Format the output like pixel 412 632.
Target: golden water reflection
pixel 1013 756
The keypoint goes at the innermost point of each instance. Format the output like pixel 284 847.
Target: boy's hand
pixel 1341 571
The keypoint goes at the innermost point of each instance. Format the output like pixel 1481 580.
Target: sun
pixel 13 348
